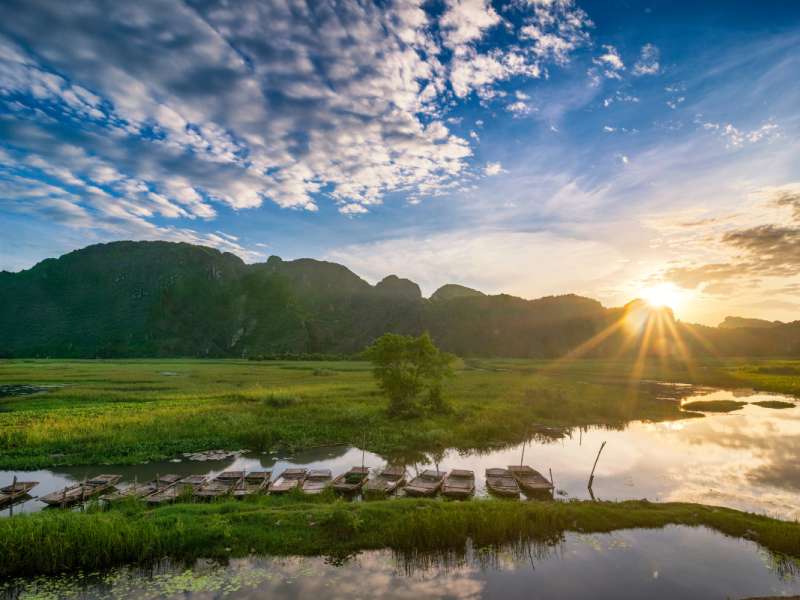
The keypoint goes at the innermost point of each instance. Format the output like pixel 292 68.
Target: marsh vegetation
pixel 130 412
pixel 97 538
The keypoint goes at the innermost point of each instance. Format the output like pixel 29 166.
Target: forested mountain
pixel 172 299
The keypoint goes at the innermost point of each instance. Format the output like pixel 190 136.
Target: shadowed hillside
pixel 167 299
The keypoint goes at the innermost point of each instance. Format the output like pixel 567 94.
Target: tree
pixel 407 367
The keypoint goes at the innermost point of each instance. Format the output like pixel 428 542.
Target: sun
pixel 663 295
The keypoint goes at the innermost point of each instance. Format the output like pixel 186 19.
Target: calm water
pixel 748 459
pixel 674 562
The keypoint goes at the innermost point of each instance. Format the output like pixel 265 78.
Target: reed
pixel 58 541
pixel 128 412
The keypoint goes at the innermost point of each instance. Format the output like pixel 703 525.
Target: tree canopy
pixel 410 371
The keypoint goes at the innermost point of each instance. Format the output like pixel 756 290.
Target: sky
pixel 610 148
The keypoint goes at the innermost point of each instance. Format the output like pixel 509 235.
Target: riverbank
pixel 60 541
pixel 131 412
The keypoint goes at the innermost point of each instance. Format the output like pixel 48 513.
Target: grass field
pixel 58 541
pixel 132 411
pixel 127 412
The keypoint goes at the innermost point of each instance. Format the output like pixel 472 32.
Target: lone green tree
pixel 408 367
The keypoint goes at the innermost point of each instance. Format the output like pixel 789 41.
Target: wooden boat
pixel 221 485
pixel 185 487
pixel 81 491
pixel 386 482
pixel 142 490
pixel 352 481
pixel 254 482
pixel 16 491
pixel 289 480
pixel 459 484
pixel 502 483
pixel 317 481
pixel 427 483
pixel 530 481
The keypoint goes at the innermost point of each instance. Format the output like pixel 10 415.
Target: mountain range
pixel 162 299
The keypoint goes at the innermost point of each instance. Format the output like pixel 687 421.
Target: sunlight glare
pixel 663 295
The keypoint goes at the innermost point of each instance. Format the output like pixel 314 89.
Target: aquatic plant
pixel 57 541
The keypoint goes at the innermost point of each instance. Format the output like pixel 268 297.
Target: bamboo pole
pixel 591 477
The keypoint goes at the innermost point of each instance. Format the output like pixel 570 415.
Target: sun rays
pixel 663 295
pixel 644 330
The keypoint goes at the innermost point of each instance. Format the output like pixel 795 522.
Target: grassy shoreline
pixel 129 412
pixel 133 411
pixel 55 542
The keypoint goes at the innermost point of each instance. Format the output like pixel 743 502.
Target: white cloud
pixel 466 21
pixel 610 62
pixel 519 108
pixel 648 63
pixel 352 209
pixel 736 138
pixel 491 261
pixel 619 97
pixel 549 32
pixel 240 103
pixel 673 104
pixel 493 168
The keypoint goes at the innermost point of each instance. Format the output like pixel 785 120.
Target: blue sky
pixel 527 146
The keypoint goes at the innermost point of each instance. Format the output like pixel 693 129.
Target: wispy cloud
pixel 610 62
pixel 491 261
pixel 648 63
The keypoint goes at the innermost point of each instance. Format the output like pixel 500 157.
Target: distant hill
pixel 453 290
pixel 138 299
pixel 743 323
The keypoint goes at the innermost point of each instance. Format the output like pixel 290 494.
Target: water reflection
pixel 748 459
pixel 674 562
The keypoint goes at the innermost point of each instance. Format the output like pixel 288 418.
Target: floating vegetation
pixel 778 404
pixel 211 455
pixel 714 405
pixel 164 580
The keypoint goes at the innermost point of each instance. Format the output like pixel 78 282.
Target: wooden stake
pixel 591 477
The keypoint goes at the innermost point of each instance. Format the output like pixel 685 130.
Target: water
pixel 748 459
pixel 673 562
pixel 23 389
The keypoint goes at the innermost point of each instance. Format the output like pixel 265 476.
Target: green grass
pixel 776 404
pixel 722 406
pixel 127 412
pixel 58 541
pixel 133 411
